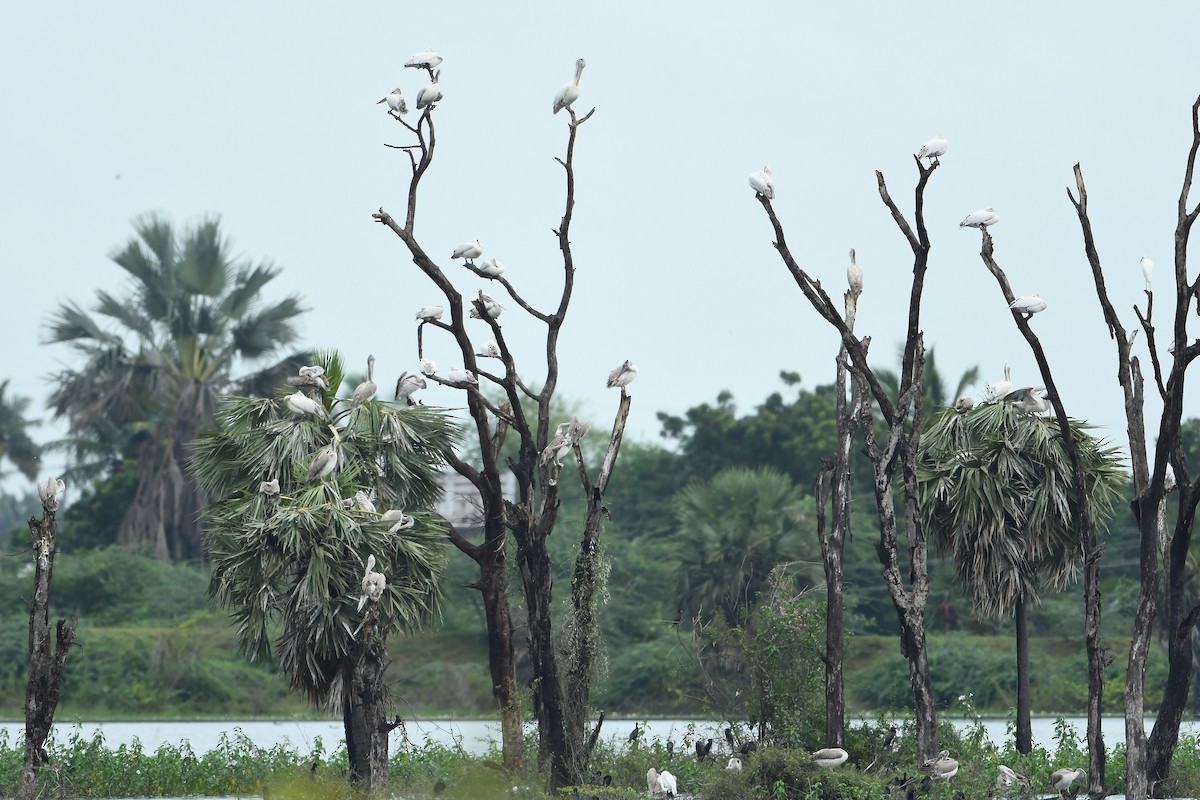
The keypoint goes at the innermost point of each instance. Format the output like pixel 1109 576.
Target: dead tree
pixel 561 692
pixel 1148 760
pixel 46 663
pixel 904 420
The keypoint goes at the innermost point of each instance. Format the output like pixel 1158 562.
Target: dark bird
pixel 608 780
pixel 703 749
pixel 678 617
pixel 670 747
pixel 749 747
pixel 729 737
pixel 439 787
pixel 636 732
pixel 888 738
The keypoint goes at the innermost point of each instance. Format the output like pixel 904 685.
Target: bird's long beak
pixel 384 100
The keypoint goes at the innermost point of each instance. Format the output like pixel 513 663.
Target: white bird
pixel 300 403
pixel 576 431
pixel 1062 779
pixel 362 502
pixel 667 781
pixel 430 313
pixel 761 183
pixel 428 95
pixel 48 492
pixel 1169 478
pixel 1028 304
pixel 569 93
pixel 734 764
pixel 468 251
pixel 426 59
pixel 854 275
pixel 365 390
pixel 942 768
pixel 622 376
pixel 402 521
pixel 1147 270
pixel 980 219
pixel 270 487
pixel 933 149
pixel 460 375
pixel 490 349
pixel 395 101
pixel 558 446
pixel 964 404
pixel 491 268
pixel 830 757
pixel 311 376
pixel 1030 399
pixel 997 390
pixel 407 385
pixel 1009 778
pixel 428 367
pixel 373 584
pixel 653 786
pixel 490 307
pixel 323 463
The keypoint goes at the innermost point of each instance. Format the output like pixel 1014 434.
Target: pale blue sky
pixel 265 113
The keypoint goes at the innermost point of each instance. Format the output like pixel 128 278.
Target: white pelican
pixel 667 781
pixel 426 59
pixel 428 367
pixel 323 463
pixel 395 101
pixel 300 403
pixel 468 251
pixel 830 757
pixel 653 786
pixel 270 487
pixel 48 492
pixel 362 502
pixel 622 376
pixel 428 95
pixel 490 307
pixel 1030 399
pixel 933 149
pixel 490 349
pixel 407 385
pixel 1028 304
pixel 942 768
pixel 1009 778
pixel 373 584
pixel 430 313
pixel 734 764
pixel 460 375
pixel 365 390
pixel 762 183
pixel 1062 779
pixel 1147 270
pixel 402 521
pixel 491 268
pixel 964 404
pixel 569 93
pixel 997 390
pixel 313 376
pixel 558 447
pixel 980 219
pixel 854 275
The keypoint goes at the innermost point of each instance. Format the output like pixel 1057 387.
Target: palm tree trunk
pixel 364 714
pixel 1024 726
pixel 493 586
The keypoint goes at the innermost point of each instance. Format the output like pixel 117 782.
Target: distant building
pixel 461 503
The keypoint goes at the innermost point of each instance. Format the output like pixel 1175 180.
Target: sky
pixel 265 114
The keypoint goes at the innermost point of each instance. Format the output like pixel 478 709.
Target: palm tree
pixel 15 444
pixel 996 492
pixel 147 390
pixel 291 556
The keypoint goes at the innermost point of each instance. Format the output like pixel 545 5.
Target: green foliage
pixel 15 444
pixel 94 518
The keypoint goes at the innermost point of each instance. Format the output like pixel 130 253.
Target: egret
pixel 1028 304
pixel 1147 270
pixel 407 385
pixel 302 404
pixel 365 390
pixel 734 764
pixel 652 783
pixel 460 375
pixel 569 93
pixel 468 251
pixel 491 268
pixel 426 59
pixel 997 390
pixel 964 404
pixel 362 502
pixel 622 376
pixel 667 781
pixel 490 349
pixel 430 313
pixel 395 101
pixel 269 488
pixel 854 276
pixel 942 768
pixel 428 367
pixel 762 184
pixel 830 757
pixel 1030 399
pixel 402 521
pixel 323 463
pixel 373 584
pixel 980 219
pixel 428 95
pixel 933 149
pixel 1009 777
pixel 1062 779
pixel 48 492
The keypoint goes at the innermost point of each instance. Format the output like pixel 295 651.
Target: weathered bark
pixel 1024 724
pixel 364 713
pixel 46 664
pixel 493 588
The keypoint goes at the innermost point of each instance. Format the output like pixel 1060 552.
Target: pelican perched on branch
pixel 426 59
pixel 1062 779
pixel 942 768
pixel 1028 304
pixel 491 268
pixel 468 251
pixel 362 502
pixel 323 464
pixel 854 275
pixel 558 446
pixel 1030 399
pixel 430 313
pixel 365 390
pixel 48 492
pixel 569 93
pixel 1008 778
pixel 622 376
pixel 490 307
pixel 933 149
pixel 395 101
pixel 300 403
pixel 373 584
pixel 460 375
pixel 269 488
pixel 407 385
pixel 491 349
pixel 402 521
pixel 761 183
pixel 428 95
pixel 980 219
pixel 428 367
pixel 311 377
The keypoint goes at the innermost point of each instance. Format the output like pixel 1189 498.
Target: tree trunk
pixel 1024 725
pixel 913 646
pixel 364 712
pixel 493 587
pixel 1098 659
pixel 45 664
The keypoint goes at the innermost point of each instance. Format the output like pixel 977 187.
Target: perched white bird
pixel 490 349
pixel 395 101
pixel 300 403
pixel 428 367
pixel 1028 304
pixel 48 492
pixel 270 487
pixel 997 390
pixel 762 183
pixel 490 307
pixel 407 385
pixel 980 219
pixel 1147 270
pixel 942 768
pixel 402 521
pixel 468 251
pixel 365 390
pixel 734 764
pixel 854 275
pixel 830 757
pixel 426 59
pixel 460 375
pixel 569 93
pixel 667 781
pixel 428 95
pixel 933 149
pixel 964 404
pixel 491 268
pixel 1009 778
pixel 362 502
pixel 653 786
pixel 373 584
pixel 323 464
pixel 558 446
pixel 1062 779
pixel 311 376
pixel 430 313
pixel 622 376
pixel 1169 478
pixel 1031 399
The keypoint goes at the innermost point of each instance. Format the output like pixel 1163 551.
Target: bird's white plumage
pixel 934 148
pixel 1009 778
pixel 942 768
pixel 373 584
pixel 490 307
pixel 668 783
pixel 1028 304
pixel 762 183
pixel 428 95
pixel 48 492
pixel 300 403
pixel 854 275
pixel 491 268
pixel 460 375
pixel 1062 779
pixel 428 367
pixel 407 385
pixel 622 376
pixel 980 219
pixel 964 404
pixel 430 313
pixel 426 59
pixel 468 251
pixel 270 487
pixel 569 93
pixel 997 390
pixel 830 757
pixel 323 463
pixel 1147 270
pixel 365 390
pixel 490 349
pixel 735 764
pixel 395 100
pixel 1031 399
pixel 652 783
